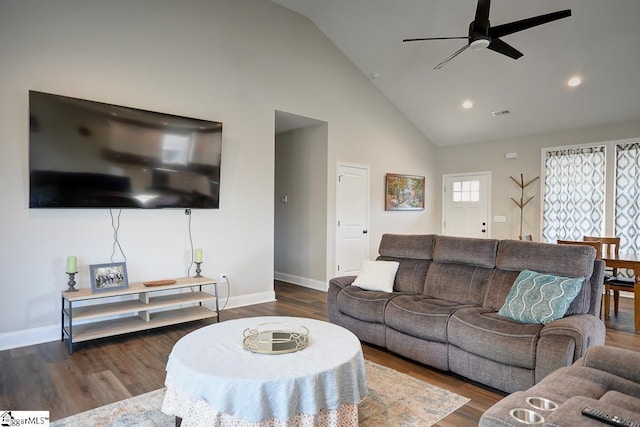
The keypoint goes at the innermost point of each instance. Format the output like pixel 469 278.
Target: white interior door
pixel 352 215
pixel 466 207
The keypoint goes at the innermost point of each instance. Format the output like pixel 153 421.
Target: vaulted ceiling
pixel 599 42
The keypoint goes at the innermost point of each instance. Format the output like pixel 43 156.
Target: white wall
pixel 491 156
pixel 301 223
pixel 234 61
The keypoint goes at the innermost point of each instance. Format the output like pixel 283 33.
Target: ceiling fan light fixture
pixel 479 44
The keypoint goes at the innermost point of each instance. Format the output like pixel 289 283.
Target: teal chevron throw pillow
pixel 540 298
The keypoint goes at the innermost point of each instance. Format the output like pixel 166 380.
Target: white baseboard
pixel 27 337
pixel 50 333
pixel 245 300
pixel 301 281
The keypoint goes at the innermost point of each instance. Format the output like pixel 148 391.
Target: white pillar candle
pixel 72 264
pixel 198 255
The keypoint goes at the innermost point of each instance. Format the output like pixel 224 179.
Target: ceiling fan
pixel 482 35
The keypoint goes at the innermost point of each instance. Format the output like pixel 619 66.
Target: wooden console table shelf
pixel 153 309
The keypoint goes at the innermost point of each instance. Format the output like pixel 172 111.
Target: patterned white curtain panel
pixel 627 204
pixel 574 193
pixel 628 196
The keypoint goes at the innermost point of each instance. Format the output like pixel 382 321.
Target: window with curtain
pixel 574 193
pixel 627 203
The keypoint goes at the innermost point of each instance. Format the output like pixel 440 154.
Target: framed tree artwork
pixel 404 192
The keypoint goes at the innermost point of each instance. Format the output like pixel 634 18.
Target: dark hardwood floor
pixel 45 377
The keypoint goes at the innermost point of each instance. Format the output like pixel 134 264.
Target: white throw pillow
pixel 377 275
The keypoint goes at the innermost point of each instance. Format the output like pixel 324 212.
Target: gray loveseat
pixel 443 311
pixel 605 379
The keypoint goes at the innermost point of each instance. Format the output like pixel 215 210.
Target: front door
pixel 352 215
pixel 466 207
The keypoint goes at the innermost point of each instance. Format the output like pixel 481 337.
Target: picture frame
pixel 109 277
pixel 404 192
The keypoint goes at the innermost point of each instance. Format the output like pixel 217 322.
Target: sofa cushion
pixel 364 305
pixel 623 400
pixel 485 333
pixel 420 316
pixel 377 275
pixel 415 246
pixel 463 250
pixel 540 298
pixel 615 361
pixel 499 287
pixel 548 258
pixel 570 413
pixel 414 253
pixel 411 274
pixel 462 283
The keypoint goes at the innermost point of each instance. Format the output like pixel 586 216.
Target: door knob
pixel 364 231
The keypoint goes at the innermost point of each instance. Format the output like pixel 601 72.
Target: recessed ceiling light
pixel 466 104
pixel 574 81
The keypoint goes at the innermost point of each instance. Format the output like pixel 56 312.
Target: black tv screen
pixel 86 154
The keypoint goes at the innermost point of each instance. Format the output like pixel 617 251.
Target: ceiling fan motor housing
pixel 478 37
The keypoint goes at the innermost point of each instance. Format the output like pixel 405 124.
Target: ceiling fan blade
pixel 456 53
pixel 481 21
pixel 524 24
pixel 504 48
pixel 435 38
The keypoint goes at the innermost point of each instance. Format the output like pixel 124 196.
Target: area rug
pixel 395 399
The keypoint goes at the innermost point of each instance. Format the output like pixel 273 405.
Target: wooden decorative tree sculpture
pixel 522 203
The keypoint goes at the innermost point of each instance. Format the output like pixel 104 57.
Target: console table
pixel 84 312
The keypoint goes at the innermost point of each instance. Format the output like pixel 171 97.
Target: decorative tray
pixel 275 338
pixel 159 283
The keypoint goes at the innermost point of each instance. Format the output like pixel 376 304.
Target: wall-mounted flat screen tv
pixel 86 154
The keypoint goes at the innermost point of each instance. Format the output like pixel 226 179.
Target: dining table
pixel 628 261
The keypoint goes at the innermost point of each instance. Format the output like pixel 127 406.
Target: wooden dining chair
pixel 612 282
pixel 594 244
pixel 610 246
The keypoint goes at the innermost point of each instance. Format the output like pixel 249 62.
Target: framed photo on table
pixel 109 277
pixel 404 192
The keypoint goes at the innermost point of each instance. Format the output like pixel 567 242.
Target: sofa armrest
pixel 617 361
pixel 342 282
pixel 586 331
pixel 336 285
pixel 565 340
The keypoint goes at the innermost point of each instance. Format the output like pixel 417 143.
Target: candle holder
pixel 72 282
pixel 198 270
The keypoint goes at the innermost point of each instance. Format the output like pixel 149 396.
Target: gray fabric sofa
pixel 606 379
pixel 446 295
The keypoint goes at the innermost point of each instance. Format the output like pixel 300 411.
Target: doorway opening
pixel 300 200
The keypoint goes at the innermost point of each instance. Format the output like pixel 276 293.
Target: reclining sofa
pixel 605 379
pixel 443 308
